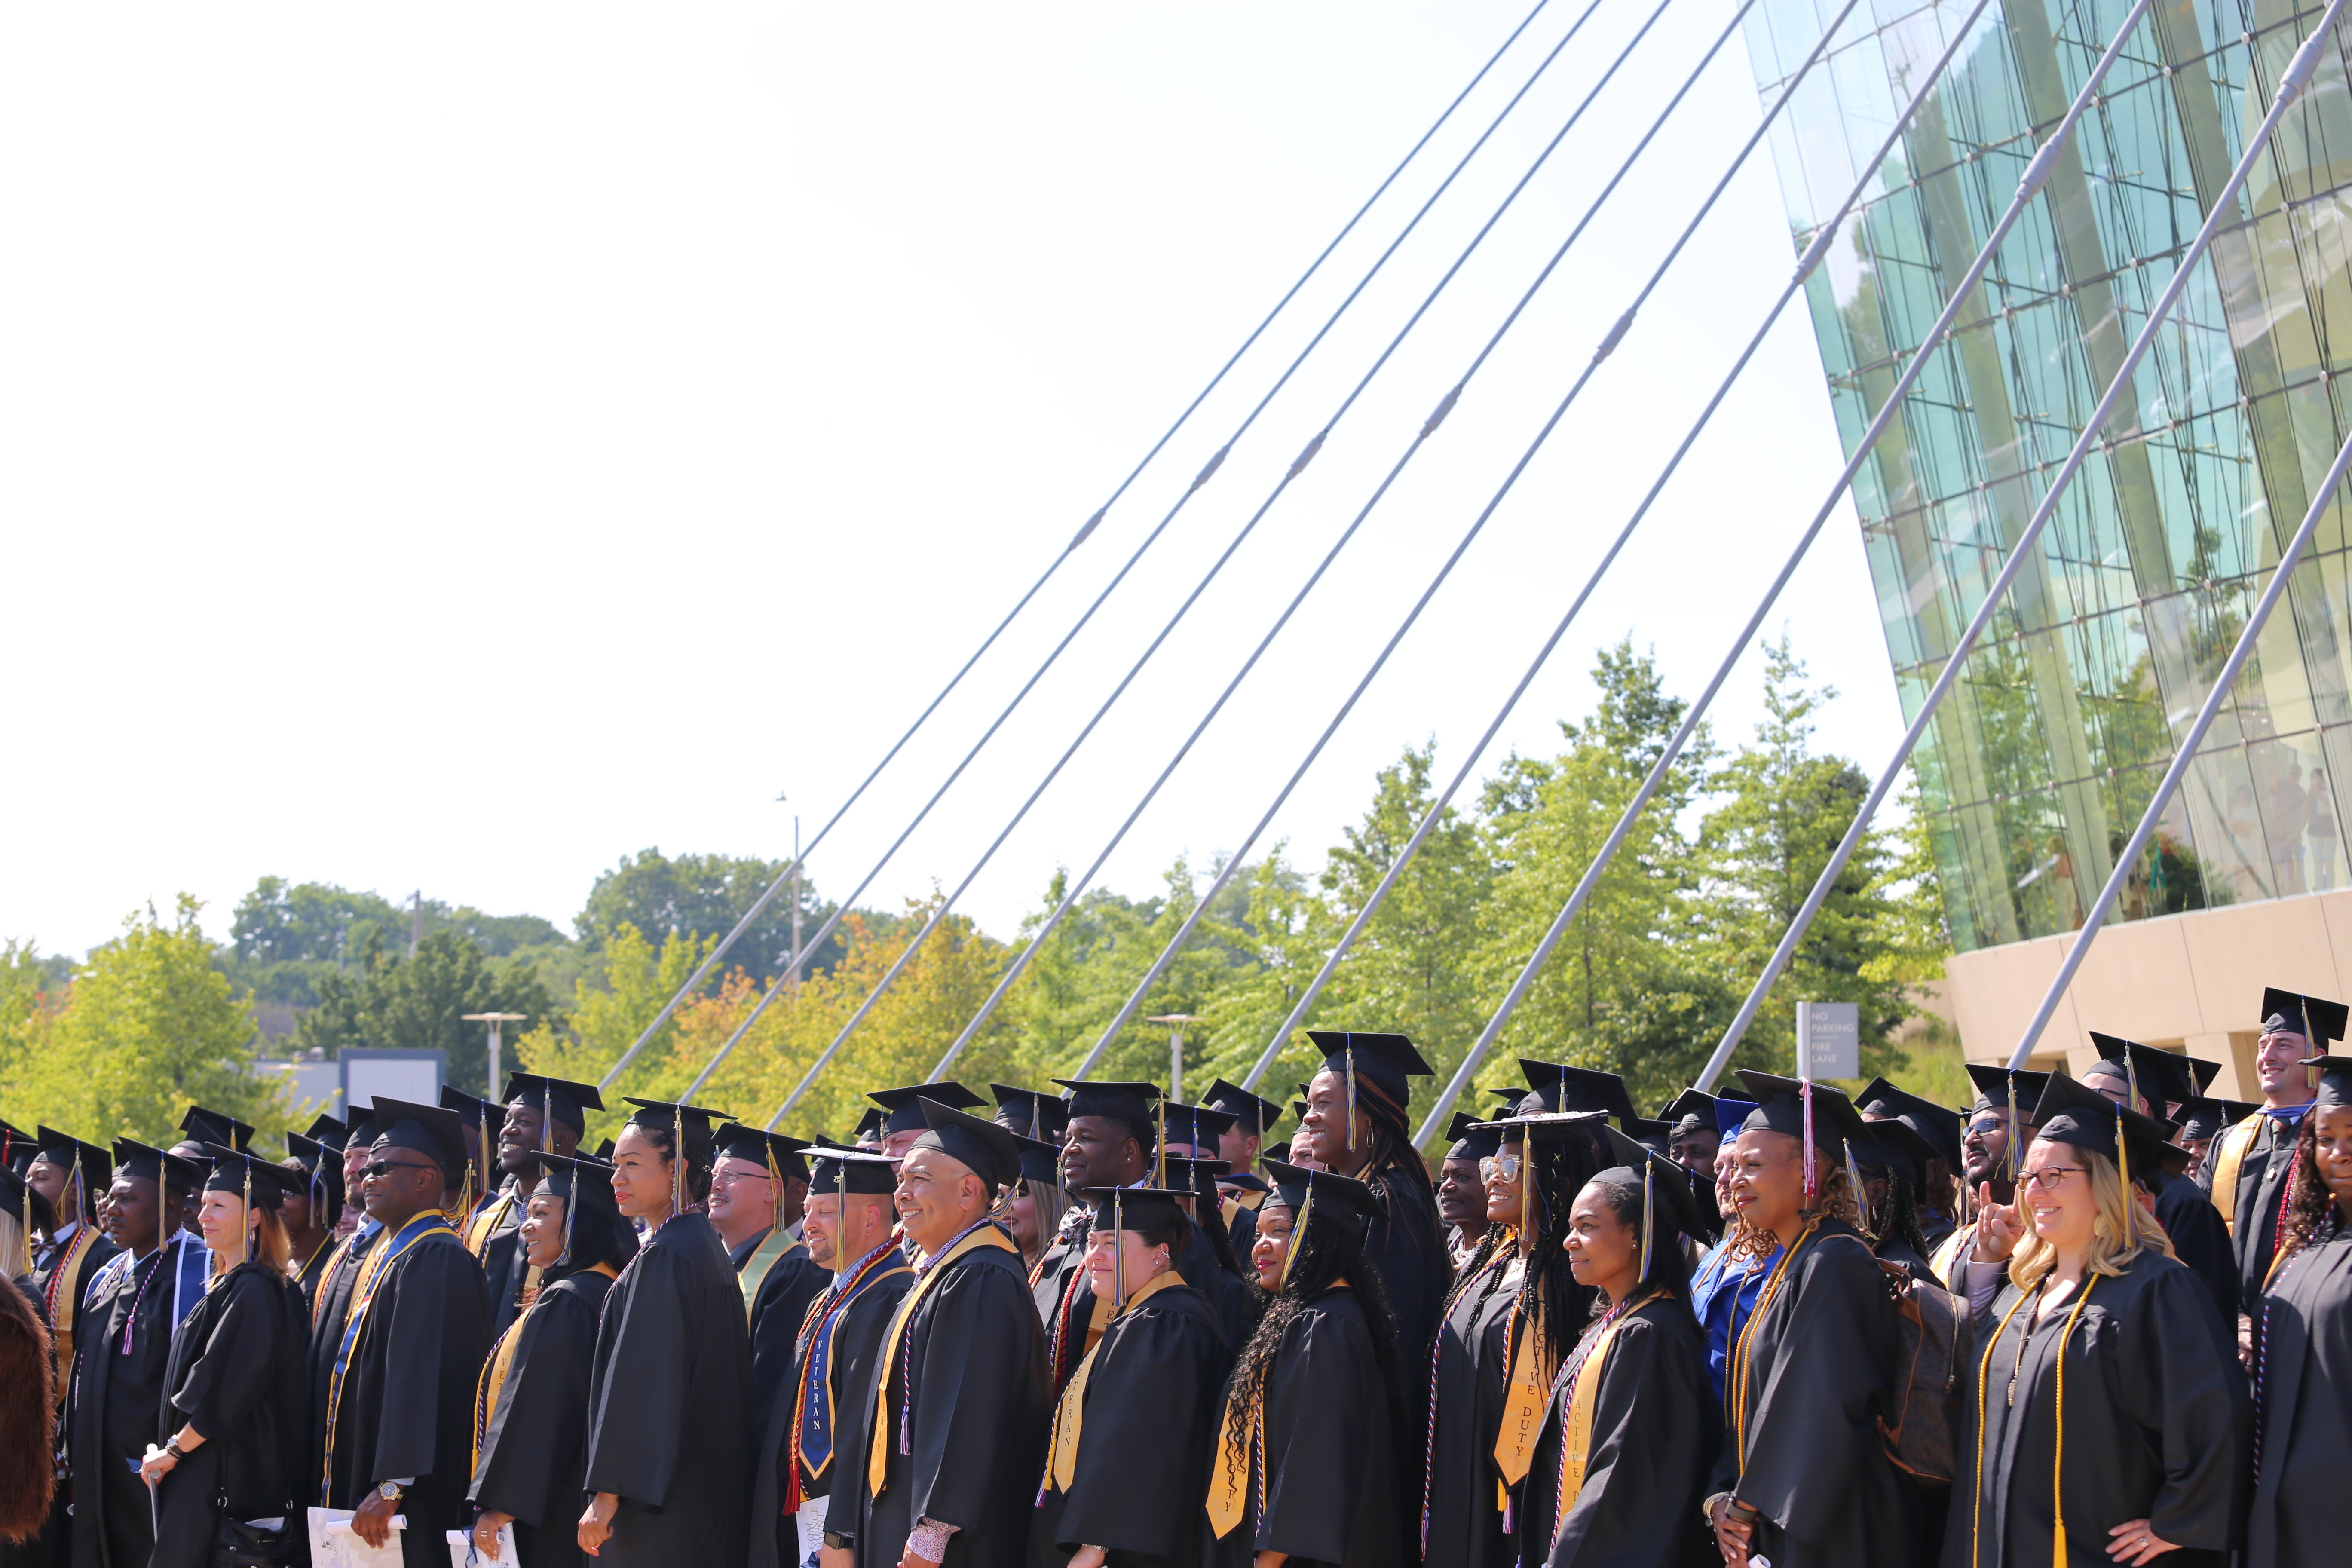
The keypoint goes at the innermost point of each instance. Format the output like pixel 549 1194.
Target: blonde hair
pixel 1750 1242
pixel 2109 1204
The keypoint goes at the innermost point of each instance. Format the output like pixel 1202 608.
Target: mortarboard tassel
pixel 547 1115
pixel 1649 1218
pixel 2123 1164
pixel 677 1163
pixel 1861 1204
pixel 1352 1094
pixel 2010 1157
pixel 1160 1179
pixel 571 1205
pixel 1298 1236
pixel 775 1192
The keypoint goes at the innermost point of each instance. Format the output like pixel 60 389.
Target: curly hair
pixel 1324 1253
pixel 2310 1206
pixel 1750 1242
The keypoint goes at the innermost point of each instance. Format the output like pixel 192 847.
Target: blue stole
pixel 813 1431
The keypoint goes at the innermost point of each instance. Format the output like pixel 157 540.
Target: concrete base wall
pixel 2191 983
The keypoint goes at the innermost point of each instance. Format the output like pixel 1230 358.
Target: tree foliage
pixel 703 897
pixel 393 1001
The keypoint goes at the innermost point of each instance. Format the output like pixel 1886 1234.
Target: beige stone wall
pixel 2190 982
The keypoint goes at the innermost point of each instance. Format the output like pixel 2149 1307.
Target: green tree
pixel 391 1001
pixel 1784 809
pixel 703 896
pixel 149 1027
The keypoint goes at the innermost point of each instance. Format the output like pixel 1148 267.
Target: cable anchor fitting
pixel 1214 464
pixel 1080 536
pixel 1616 335
pixel 1445 408
pixel 1306 457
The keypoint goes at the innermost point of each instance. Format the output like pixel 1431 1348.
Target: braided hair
pixel 1895 1216
pixel 1560 1169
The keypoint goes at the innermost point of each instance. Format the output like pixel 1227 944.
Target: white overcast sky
pixel 454 446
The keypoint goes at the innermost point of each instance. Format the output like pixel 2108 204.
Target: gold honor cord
pixel 1740 1376
pixel 2010 1154
pixel 1984 1377
pixel 1649 1218
pixel 1298 1236
pixel 2058 1447
pixel 1351 1095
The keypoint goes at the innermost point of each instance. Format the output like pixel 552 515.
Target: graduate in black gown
pixel 1126 1459
pixel 401 1377
pixel 331 1297
pixel 236 1408
pixel 1629 1432
pixel 1356 1121
pixel 531 1412
pixel 1513 1314
pixel 1314 1438
pixel 541 1114
pixel 1108 1141
pixel 2154 1082
pixel 1206 1260
pixel 670 1445
pixel 1241 1189
pixel 944 1452
pixel 67 1255
pixel 118 1389
pixel 2252 1159
pixel 1802 1477
pixel 849 1227
pixel 2104 1365
pixel 758 1183
pixel 2301 1450
pixel 311 1211
pixel 1938 1196
pixel 1892 1162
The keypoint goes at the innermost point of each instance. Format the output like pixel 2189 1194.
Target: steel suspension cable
pixel 1297 466
pixel 1436 812
pixel 1215 461
pixel 1609 343
pixel 2037 173
pixel 2186 753
pixel 2292 84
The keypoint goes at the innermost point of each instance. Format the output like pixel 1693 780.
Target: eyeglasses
pixel 2047 1177
pixel 1506 1166
pixel 1987 1126
pixel 729 1178
pixel 385 1167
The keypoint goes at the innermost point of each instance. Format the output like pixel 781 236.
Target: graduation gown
pixel 965 1397
pixel 238 1374
pixel 1240 1195
pixel 1332 1491
pixel 2198 1234
pixel 406 1408
pixel 330 1306
pixel 1406 1243
pixel 309 1275
pixel 2306 1423
pixel 534 1449
pixel 117 1405
pixel 2156 1422
pixel 1464 1528
pixel 669 1405
pixel 2264 1146
pixel 852 1353
pixel 1820 1354
pixel 494 1235
pixel 777 1302
pixel 1148 1419
pixel 1655 1426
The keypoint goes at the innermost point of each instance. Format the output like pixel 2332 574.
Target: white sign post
pixel 1829 1039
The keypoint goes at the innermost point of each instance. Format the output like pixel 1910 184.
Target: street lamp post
pixel 494 1020
pixel 1175 1022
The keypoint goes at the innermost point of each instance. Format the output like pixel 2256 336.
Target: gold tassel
pixel 1298 1236
pixel 1649 1218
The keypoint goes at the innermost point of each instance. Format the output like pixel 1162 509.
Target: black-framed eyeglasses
pixel 2047 1178
pixel 385 1167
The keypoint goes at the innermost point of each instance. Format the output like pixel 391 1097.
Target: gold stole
pixel 485 1224
pixel 1527 1391
pixel 493 1379
pixel 65 1297
pixel 2228 1157
pixel 1576 1442
pixel 1239 1436
pixel 877 1457
pixel 1948 1252
pixel 1069 1415
pixel 755 1267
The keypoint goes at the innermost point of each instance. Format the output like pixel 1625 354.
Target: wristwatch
pixel 840 1542
pixel 389 1491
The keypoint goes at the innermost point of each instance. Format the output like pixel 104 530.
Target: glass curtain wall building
pixel 2050 747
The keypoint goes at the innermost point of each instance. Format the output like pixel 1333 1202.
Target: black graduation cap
pixel 1469 1140
pixel 1196 1125
pixel 664 1115
pixel 1995 1082
pixel 432 1131
pixel 1128 1102
pixel 1692 1110
pixel 32 1210
pixel 264 1182
pixel 2313 1017
pixel 577 1179
pixel 904 1111
pixel 68 1151
pixel 558 1098
pixel 2334 1080
pixel 1385 1061
pixel 18 1147
pixel 472 1109
pixel 359 1127
pixel 594 1231
pixel 2203 1118
pixel 2164 1079
pixel 203 1126
pixel 1199 1177
pixel 1132 1208
pixel 1336 1196
pixel 738 1141
pixel 1041 1163
pixel 1031 1112
pixel 327 1130
pixel 983 1148
pixel 1563 1088
pixel 833 1168
pixel 1548 1127
pixel 1253 1113
pixel 1658 1137
pixel 869 1126
pixel 1675 1203
pixel 173 1172
pixel 1274 1151
pixel 1938 1124
pixel 323 1169
pixel 2084 1119
pixel 1780 1108
pixel 1896 1143
pixel 605 1150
